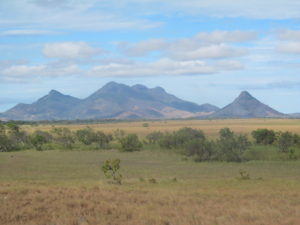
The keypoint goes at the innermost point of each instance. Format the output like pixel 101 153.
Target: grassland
pixel 210 127
pixel 68 188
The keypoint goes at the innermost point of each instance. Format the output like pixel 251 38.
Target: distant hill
pixel 246 106
pixel 294 115
pixel 114 100
pixel 54 106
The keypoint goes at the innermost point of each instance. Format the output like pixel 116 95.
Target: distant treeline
pixel 192 143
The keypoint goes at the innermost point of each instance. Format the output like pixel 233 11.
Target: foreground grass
pixel 68 187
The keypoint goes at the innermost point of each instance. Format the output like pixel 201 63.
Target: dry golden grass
pixel 68 188
pixel 32 205
pixel 210 127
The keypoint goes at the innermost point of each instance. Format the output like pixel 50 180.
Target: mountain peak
pixel 111 83
pixel 245 94
pixel 54 92
pixel 246 106
pixel 139 87
pixel 111 86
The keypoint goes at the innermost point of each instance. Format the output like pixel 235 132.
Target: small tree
pixel 264 136
pixel 103 140
pixel 37 141
pixel 231 146
pixel 17 137
pixel 154 137
pixel 130 143
pixel 285 141
pixel 64 136
pixel 86 136
pixel 111 170
pixel 202 149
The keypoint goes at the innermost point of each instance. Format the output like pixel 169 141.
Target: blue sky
pixel 201 51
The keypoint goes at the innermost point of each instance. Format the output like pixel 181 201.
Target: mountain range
pixel 113 100
pixel 120 101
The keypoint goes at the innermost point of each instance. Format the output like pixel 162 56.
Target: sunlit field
pixel 68 187
pixel 210 127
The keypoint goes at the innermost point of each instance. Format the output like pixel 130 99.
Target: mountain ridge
pixel 113 100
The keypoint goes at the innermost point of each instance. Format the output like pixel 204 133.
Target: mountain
pixel 113 100
pixel 294 115
pixel 246 106
pixel 54 106
pixel 121 101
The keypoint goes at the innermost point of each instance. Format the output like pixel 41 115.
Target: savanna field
pixel 159 186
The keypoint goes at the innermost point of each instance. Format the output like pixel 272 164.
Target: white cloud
pixel 206 45
pixel 208 52
pixel 219 36
pixel 68 14
pixel 23 73
pixel 144 47
pixel 289 47
pixel 26 32
pixel 23 70
pixel 95 15
pixel 292 35
pixel 163 67
pixel 70 50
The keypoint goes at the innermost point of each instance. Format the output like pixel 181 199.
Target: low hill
pixel 246 106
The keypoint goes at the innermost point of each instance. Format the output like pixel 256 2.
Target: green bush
pixel 200 149
pixel 231 147
pixel 285 141
pixel 86 136
pixel 130 143
pixel 264 136
pixel 111 168
pixel 154 137
pixel 63 136
pixel 180 138
pixel 39 138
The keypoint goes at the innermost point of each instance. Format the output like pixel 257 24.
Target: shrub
pixel 154 137
pixel 244 175
pixel 64 136
pixel 264 136
pixel 118 134
pixel 103 140
pixel 39 138
pixel 130 143
pixel 231 146
pixel 180 138
pixel 86 136
pixel 111 170
pixel 201 149
pixel 285 141
pixel 17 137
pixel 145 124
pixel 6 144
pixel 186 134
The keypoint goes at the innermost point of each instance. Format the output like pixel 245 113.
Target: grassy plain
pixel 68 188
pixel 210 127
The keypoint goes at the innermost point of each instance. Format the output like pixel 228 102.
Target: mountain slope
pixel 121 101
pixel 246 106
pixel 294 115
pixel 113 100
pixel 54 106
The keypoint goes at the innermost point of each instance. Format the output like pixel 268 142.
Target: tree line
pixel 191 143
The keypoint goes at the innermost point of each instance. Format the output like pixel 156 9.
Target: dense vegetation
pixel 192 143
